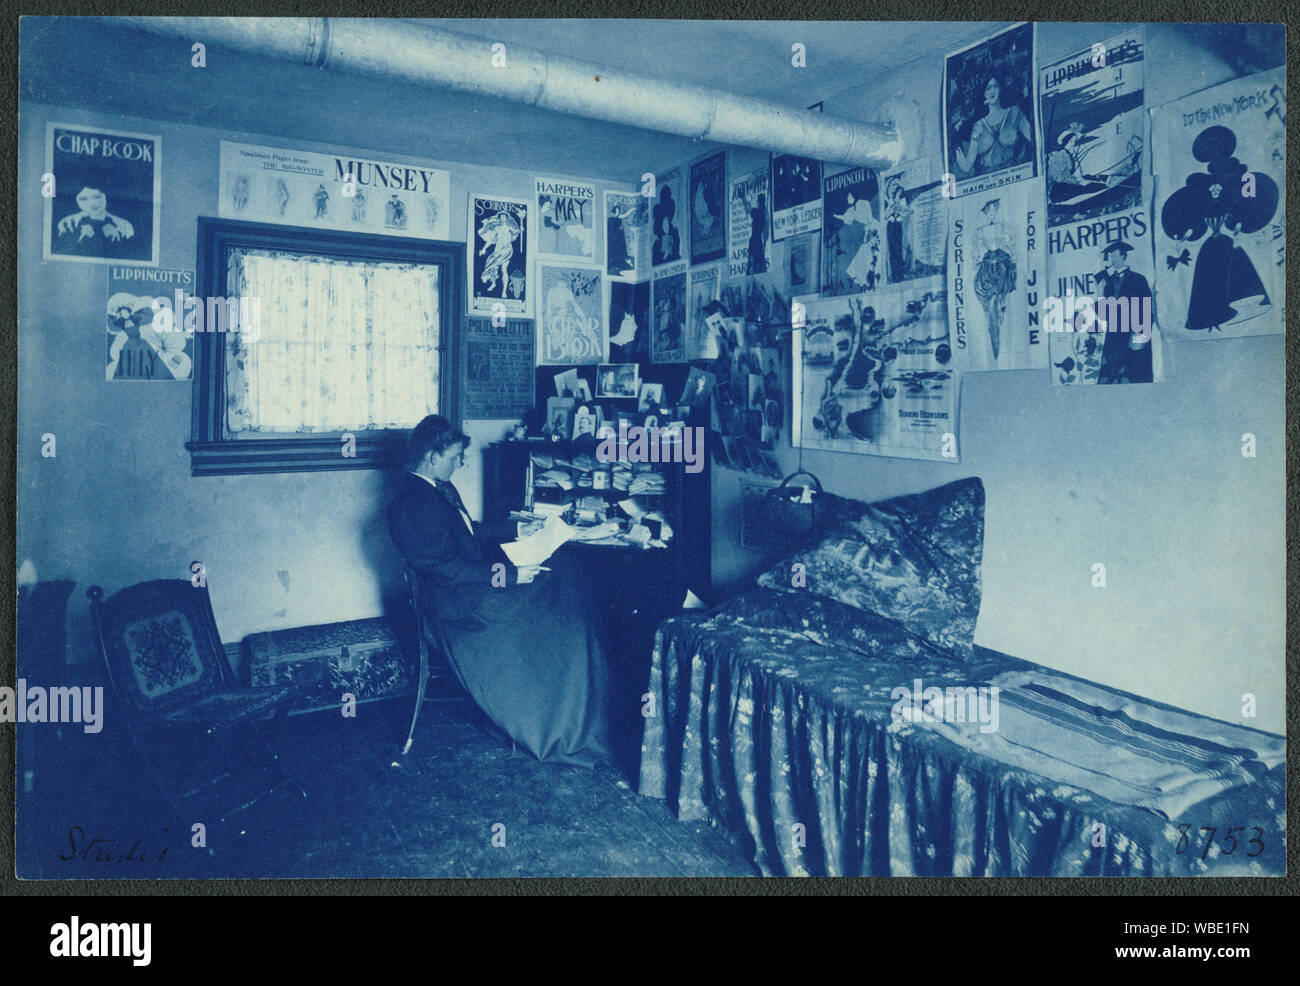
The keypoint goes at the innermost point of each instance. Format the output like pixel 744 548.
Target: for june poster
pixel 751 224
pixel 709 209
pixel 497 242
pixel 1094 129
pixel 851 254
pixel 571 322
pixel 995 279
pixel 873 374
pixel 566 219
pixel 990 137
pixel 1220 165
pixel 627 236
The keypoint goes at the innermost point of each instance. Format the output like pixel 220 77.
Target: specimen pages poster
pixel 1220 165
pixel 873 374
pixel 333 191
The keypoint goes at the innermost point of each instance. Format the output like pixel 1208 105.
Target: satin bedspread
pixel 771 718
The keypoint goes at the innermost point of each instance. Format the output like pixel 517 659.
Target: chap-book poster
pixel 106 193
pixel 333 191
pixel 571 317
pixel 1220 231
pixel 873 374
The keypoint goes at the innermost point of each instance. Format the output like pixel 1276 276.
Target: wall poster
pixel 627 236
pixel 796 195
pixel 629 321
pixel 571 316
pixel 995 279
pixel 873 374
pixel 667 216
pixel 148 341
pixel 107 194
pixel 989 133
pixel 566 219
pixel 331 191
pixel 701 340
pixel 915 214
pixel 497 242
pixel 498 369
pixel 1220 165
pixel 751 224
pixel 851 254
pixel 668 321
pixel 709 209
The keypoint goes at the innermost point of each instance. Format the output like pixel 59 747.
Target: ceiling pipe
pixel 421 54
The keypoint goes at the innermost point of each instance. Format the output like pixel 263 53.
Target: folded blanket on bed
pixel 1121 748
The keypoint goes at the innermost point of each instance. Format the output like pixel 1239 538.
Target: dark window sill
pixel 237 458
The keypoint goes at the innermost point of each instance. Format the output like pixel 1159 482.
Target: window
pixel 312 336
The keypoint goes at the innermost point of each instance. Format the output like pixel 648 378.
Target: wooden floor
pixel 372 813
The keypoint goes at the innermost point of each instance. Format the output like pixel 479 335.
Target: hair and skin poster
pixel 571 321
pixel 103 203
pixel 1220 215
pixel 498 243
pixel 751 224
pixel 318 190
pixel 990 137
pixel 566 219
pixel 627 236
pixel 873 374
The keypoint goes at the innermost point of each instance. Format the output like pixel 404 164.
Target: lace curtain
pixel 337 345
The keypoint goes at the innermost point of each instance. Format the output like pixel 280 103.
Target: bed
pixel 837 720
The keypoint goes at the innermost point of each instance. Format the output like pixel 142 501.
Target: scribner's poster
pixel 751 224
pixel 627 236
pixel 701 341
pixel 498 243
pixel 147 337
pixel 566 219
pixel 106 195
pixel 709 209
pixel 990 137
pixel 668 318
pixel 1094 130
pixel 873 374
pixel 330 191
pixel 851 249
pixel 1220 216
pixel 629 321
pixel 796 195
pixel 995 279
pixel 571 319
pixel 915 215
pixel 667 217
pixel 498 368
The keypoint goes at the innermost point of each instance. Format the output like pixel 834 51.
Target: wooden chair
pixel 431 640
pixel 196 729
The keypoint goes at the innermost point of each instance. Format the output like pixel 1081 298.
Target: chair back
pixel 428 621
pixel 160 642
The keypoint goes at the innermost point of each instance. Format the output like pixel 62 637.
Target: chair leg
pixel 419 693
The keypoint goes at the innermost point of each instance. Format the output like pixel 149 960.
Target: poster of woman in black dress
pixel 106 189
pixel 989 131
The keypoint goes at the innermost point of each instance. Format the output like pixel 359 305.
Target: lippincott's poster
pixel 990 137
pixel 498 245
pixel 566 219
pixel 331 191
pixel 1220 210
pixel 750 202
pixel 1094 129
pixel 851 251
pixel 873 374
pixel 571 314
pixel 995 278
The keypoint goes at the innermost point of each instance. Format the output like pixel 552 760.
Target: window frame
pixel 213 450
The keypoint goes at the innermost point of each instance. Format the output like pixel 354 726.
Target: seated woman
pixel 527 644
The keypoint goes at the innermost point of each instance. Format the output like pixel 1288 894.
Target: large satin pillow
pixel 914 559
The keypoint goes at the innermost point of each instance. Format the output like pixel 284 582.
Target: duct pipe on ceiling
pixel 425 55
